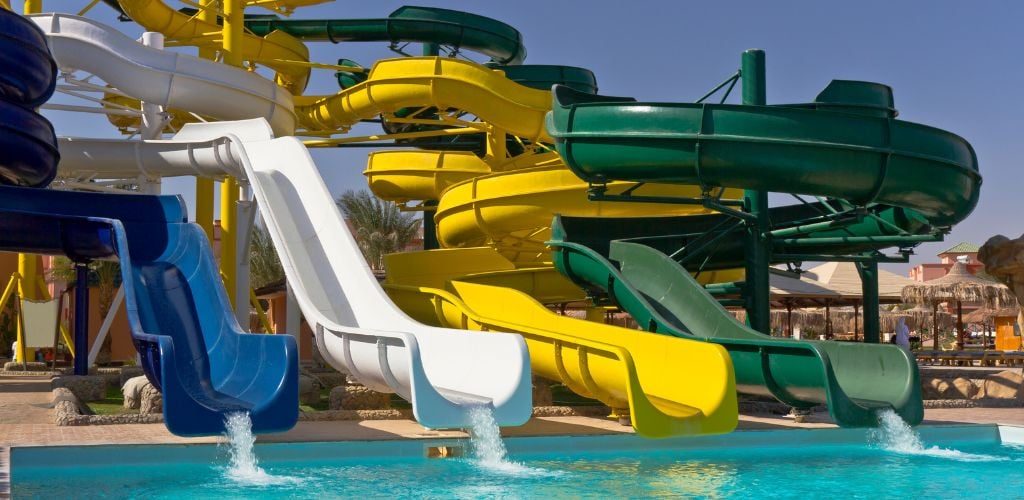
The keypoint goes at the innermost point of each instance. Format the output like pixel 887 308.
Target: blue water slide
pixel 192 347
pixel 28 74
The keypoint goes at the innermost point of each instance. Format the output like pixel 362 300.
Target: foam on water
pixel 244 468
pixel 489 450
pixel 893 434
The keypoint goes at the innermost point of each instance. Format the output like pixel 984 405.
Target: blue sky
pixel 952 65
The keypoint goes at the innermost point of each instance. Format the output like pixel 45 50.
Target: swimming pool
pixel 968 460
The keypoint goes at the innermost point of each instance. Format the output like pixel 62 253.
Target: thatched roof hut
pixel 959 286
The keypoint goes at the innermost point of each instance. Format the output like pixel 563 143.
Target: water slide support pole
pixel 81 318
pixel 152 118
pixel 868 272
pixel 756 203
pixel 204 187
pixel 232 53
pixel 429 229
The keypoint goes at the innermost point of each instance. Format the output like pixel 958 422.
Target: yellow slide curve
pixel 670 386
pixel 278 50
pixel 393 84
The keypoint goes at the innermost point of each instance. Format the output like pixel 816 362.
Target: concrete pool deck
pixel 26 420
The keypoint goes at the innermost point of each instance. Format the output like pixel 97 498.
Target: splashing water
pixel 244 467
pixel 893 434
pixel 489 450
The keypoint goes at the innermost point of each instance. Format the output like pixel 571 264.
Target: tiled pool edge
pixel 5 472
pixel 1011 434
pixel 75 456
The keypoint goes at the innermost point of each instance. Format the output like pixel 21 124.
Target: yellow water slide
pixel 669 386
pixel 509 206
pixel 444 83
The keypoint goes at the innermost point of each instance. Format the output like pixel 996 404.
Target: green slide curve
pixel 854 380
pixel 847 151
pixel 462 30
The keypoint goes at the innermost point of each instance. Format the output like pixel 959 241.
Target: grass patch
pixel 111 404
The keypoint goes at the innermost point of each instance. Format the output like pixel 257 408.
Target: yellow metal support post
pixel 28 269
pixel 228 257
pixel 232 52
pixel 27 263
pixel 204 187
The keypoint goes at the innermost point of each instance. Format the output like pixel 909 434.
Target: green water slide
pixel 879 183
pixel 854 150
pixel 854 380
pixel 459 30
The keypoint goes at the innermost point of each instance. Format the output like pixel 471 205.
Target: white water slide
pixel 164 78
pixel 358 329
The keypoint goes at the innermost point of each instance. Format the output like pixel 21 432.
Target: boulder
pixel 330 378
pixel 935 388
pixel 132 390
pixel 129 372
pixel 965 388
pixel 1004 385
pixel 84 387
pixel 152 400
pixel 358 397
pixel 309 390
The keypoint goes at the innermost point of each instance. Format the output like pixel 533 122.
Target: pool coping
pixel 137 454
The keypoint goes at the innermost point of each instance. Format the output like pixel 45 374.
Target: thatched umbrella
pixel 958 285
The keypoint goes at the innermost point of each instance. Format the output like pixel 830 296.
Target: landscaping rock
pixel 330 378
pixel 309 390
pixel 1004 385
pixel 85 387
pixel 358 397
pixel 935 388
pixel 132 390
pixel 111 373
pixel 129 372
pixel 31 366
pixel 152 400
pixel 965 388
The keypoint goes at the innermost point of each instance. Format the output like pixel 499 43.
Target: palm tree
pixel 381 228
pixel 106 275
pixel 264 264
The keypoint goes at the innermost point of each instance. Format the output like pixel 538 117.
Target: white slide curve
pixel 165 78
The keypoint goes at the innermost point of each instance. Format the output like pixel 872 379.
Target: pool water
pixel 971 460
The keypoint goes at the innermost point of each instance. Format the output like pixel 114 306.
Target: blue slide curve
pixel 192 347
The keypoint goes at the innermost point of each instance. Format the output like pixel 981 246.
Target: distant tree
pixel 264 264
pixel 105 275
pixel 381 228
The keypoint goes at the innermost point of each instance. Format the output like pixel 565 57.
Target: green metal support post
pixel 869 289
pixel 429 229
pixel 756 204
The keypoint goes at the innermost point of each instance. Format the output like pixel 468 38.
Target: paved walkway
pixel 25 420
